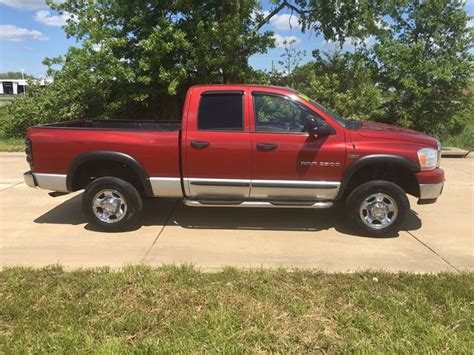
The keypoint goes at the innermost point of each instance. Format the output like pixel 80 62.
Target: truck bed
pixel 128 125
pixel 154 144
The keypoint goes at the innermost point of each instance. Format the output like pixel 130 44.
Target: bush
pixel 41 105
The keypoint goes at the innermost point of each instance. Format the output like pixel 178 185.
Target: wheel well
pixel 398 174
pixel 93 169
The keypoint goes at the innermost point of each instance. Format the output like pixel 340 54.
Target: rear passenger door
pixel 217 146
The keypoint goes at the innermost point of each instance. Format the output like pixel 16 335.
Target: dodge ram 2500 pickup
pixel 239 146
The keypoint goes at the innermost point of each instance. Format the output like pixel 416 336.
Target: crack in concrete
pixel 433 251
pixel 160 232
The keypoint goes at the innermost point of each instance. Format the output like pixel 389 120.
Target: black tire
pixel 132 205
pixel 359 195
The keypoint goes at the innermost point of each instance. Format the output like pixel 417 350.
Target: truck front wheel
pixel 378 208
pixel 112 204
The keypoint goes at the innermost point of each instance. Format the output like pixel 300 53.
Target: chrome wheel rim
pixel 378 211
pixel 109 206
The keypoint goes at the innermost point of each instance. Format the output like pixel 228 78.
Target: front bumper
pixel 431 185
pixel 430 191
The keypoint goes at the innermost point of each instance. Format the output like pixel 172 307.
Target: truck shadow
pixel 173 212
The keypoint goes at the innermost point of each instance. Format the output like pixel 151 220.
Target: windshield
pixel 334 115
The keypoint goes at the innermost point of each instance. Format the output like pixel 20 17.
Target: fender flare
pixel 371 160
pixel 110 156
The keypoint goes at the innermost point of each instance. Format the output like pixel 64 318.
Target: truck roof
pixel 245 86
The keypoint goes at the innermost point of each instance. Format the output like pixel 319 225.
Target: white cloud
pixel 349 44
pixel 280 40
pixel 14 33
pixel 26 4
pixel 285 22
pixel 46 18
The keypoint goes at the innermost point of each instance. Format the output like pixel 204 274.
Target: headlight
pixel 428 158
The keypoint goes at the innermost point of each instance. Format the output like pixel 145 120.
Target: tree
pixel 416 74
pixel 424 66
pixel 15 75
pixel 345 82
pixel 139 57
pixel 290 60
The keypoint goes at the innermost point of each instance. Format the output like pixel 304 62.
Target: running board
pixel 262 204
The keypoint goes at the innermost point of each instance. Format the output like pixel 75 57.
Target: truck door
pixel 287 162
pixel 217 146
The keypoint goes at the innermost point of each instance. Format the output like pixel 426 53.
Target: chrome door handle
pixel 199 144
pixel 266 146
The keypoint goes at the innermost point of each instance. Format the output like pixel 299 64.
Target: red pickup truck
pixel 239 146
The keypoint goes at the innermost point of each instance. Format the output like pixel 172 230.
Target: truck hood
pixel 385 131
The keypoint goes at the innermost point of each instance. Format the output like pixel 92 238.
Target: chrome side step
pixel 261 204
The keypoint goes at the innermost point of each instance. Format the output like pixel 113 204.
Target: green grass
pixel 182 310
pixel 6 99
pixel 12 144
pixel 465 140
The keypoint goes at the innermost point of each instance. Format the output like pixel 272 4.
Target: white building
pixel 16 86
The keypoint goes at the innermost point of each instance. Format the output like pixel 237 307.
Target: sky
pixel 31 31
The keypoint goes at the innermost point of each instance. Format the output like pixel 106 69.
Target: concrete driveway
pixel 38 230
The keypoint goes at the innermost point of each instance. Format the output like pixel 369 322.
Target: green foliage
pixel 137 59
pixel 465 138
pixel 338 20
pixel 40 105
pixel 141 57
pixel 424 66
pixel 15 75
pixel 290 59
pixel 416 74
pixel 345 82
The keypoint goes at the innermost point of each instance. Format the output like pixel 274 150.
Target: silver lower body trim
pixel 261 204
pixel 261 189
pixel 53 182
pixel 166 186
pixel 430 191
pixel 294 189
pixel 232 188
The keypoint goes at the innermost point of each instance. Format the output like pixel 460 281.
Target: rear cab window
pixel 221 111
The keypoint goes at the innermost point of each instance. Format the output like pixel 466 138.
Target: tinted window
pixel 279 114
pixel 221 112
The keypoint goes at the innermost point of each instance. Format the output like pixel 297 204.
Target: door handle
pixel 199 144
pixel 266 146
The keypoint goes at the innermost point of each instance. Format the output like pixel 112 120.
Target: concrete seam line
pixel 161 231
pixel 433 251
pixel 9 187
pixel 462 171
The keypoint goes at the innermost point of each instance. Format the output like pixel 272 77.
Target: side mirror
pixel 314 130
pixel 311 127
pixel 324 130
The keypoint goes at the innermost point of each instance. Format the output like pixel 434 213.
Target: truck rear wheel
pixel 378 208
pixel 112 204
